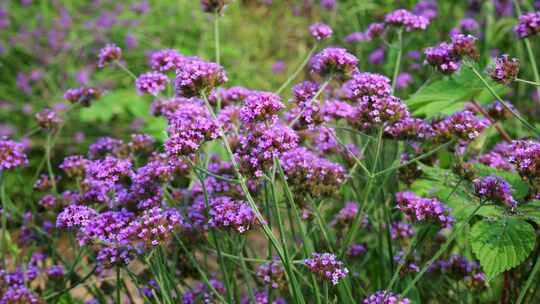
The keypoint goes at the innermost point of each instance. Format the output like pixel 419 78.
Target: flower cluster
pixel 320 31
pixel 406 19
pixel 423 209
pixel 48 119
pixel 375 111
pixel 310 174
pixel 464 126
pixel 165 60
pixel 529 25
pixel 273 274
pixel 261 106
pixel 12 155
pixel 346 215
pixel 189 127
pixel 365 85
pixel 334 61
pixel 441 57
pixel 83 95
pixel 225 212
pixel 496 189
pixel 151 83
pixel 327 267
pixel 108 54
pixel 506 69
pixel 229 96
pixel 386 297
pixel 196 77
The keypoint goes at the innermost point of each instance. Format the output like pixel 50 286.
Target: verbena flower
pixel 377 111
pixel 366 84
pixel 225 212
pixel 529 25
pixel 154 227
pixel 261 106
pixel 48 119
pixel 385 297
pixel 196 77
pixel 83 95
pixel 310 174
pixel 305 91
pixel 272 274
pixel 334 61
pixel 401 230
pixel 464 126
pixel 497 111
pixel 110 53
pixel 406 19
pixel 464 46
pixel 356 250
pixel 201 292
pixel 495 189
pixel 189 127
pixel 442 58
pixel 418 208
pixel 75 216
pixel 141 143
pixel 229 96
pixel 346 215
pixel 410 129
pixel 105 146
pixel 151 83
pixel 326 266
pixel 12 155
pixel 506 69
pixel 427 9
pixel 165 60
pixel 374 30
pixel 320 31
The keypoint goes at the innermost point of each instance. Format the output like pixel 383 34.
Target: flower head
pixel 506 69
pixel 48 119
pixel 196 77
pixel 261 106
pixel 496 189
pixel 11 155
pixel 386 297
pixel 334 61
pixel 423 209
pixel 326 266
pixel 165 60
pixel 529 24
pixel 320 31
pixel 83 95
pixel 108 54
pixel 441 57
pixel 406 19
pixel 366 84
pixel 151 83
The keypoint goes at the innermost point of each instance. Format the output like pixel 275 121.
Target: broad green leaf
pixel 501 244
pixel 448 95
pixel 529 211
pixel 521 189
pixel 116 103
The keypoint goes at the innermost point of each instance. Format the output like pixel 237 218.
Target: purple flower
pixel 441 57
pixel 259 144
pixel 310 174
pixel 373 111
pixel 377 56
pixel 464 126
pixel 529 24
pixel 374 30
pixel 104 146
pixel 320 31
pixel 196 77
pixel 426 8
pixel 279 67
pixel 357 37
pixel 386 297
pixel 328 4
pixel 151 83
pixel 229 96
pixel 496 189
pixel 261 106
pixel 48 119
pixel 83 95
pixel 273 274
pixel 464 46
pixel 346 215
pixel 305 92
pixel 423 209
pixel 406 19
pixel 410 129
pixel 356 250
pixel 108 54
pixel 47 201
pixel 11 155
pixel 505 70
pixel 74 166
pixel 401 230
pixel 19 294
pixel 154 227
pixel 326 266
pixel 165 60
pixel 225 213
pixel 74 216
pixel 403 80
pixel 334 61
pixel 366 84
pixel 189 127
pixel 201 293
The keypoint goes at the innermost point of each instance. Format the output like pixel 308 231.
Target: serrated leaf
pixel 521 189
pixel 501 244
pixel 529 211
pixel 448 95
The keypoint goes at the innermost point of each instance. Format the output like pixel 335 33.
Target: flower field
pixel 269 151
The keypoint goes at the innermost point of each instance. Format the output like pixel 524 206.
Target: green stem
pixel 441 250
pixel 321 89
pixel 125 69
pixel 298 70
pixel 48 148
pixel 3 198
pixel 529 281
pixel 510 109
pixel 528 82
pixel 398 58
pixel 216 36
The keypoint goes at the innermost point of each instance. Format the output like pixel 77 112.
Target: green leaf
pixel 521 189
pixel 501 244
pixel 117 103
pixel 529 211
pixel 448 95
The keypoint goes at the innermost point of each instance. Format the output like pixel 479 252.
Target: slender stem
pixel 125 69
pixel 509 108
pixel 298 70
pixel 441 250
pixel 528 82
pixel 530 279
pixel 48 148
pixel 499 128
pixel 84 279
pixel 398 58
